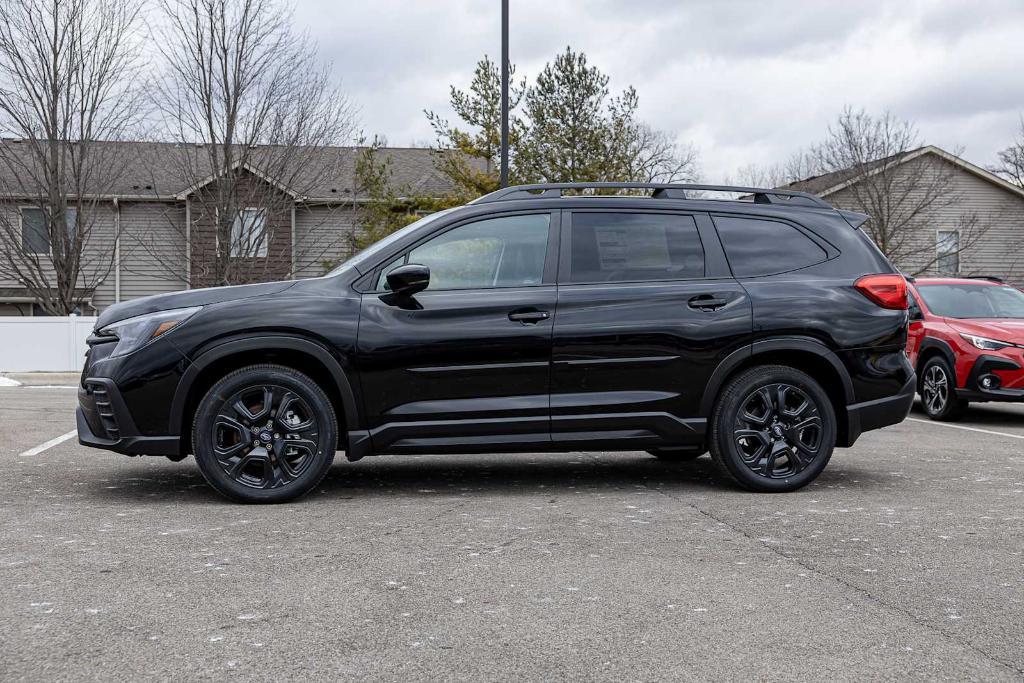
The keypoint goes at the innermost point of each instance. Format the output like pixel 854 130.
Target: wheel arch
pixel 299 353
pixel 806 354
pixel 930 348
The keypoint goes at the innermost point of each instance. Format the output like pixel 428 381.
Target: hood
pixel 186 299
pixel 1001 329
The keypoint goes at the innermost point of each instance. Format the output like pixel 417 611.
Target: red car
pixel 966 339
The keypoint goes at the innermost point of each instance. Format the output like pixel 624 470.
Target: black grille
pixel 104 410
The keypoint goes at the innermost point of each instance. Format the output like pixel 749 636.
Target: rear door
pixel 647 309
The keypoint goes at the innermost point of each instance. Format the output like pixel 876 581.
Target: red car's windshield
pixel 973 301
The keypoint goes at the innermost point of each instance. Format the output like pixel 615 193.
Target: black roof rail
pixel 659 191
pixel 990 278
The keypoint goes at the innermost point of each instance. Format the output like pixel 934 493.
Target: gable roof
pixel 152 170
pixel 830 183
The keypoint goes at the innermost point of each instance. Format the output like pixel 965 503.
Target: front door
pixel 466 362
pixel 646 311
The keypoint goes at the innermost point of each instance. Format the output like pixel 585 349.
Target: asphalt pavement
pixel 905 559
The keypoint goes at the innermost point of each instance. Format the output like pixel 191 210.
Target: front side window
pixel 947 251
pixel 630 247
pixel 249 233
pixel 757 246
pixel 973 301
pixel 498 252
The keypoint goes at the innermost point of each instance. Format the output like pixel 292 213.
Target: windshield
pixel 369 252
pixel 973 301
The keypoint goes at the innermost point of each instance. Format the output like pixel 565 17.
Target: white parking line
pixel 49 444
pixel 968 429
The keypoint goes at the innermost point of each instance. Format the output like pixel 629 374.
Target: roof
pixel 957 281
pixel 157 170
pixel 830 183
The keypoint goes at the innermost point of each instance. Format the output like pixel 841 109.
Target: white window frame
pixel 241 245
pixel 939 254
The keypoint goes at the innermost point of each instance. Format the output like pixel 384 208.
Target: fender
pixel 734 359
pixel 263 343
pixel 944 348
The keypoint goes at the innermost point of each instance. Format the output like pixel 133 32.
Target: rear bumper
pixel 104 422
pixel 882 412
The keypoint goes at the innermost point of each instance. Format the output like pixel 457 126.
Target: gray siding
pixel 152 249
pixel 322 233
pixel 999 216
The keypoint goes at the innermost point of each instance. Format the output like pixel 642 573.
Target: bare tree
pixel 797 167
pixel 254 113
pixel 68 85
pixel 868 154
pixel 1011 160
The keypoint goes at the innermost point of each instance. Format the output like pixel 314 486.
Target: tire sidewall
pixel 950 409
pixel 729 406
pixel 203 434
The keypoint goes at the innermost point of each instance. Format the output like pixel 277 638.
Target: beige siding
pixel 322 233
pixel 1000 224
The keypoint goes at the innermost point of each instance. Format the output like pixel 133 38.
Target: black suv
pixel 767 329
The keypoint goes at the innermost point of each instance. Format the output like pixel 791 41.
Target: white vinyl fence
pixel 43 343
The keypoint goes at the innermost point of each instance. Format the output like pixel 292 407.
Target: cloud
pixel 745 80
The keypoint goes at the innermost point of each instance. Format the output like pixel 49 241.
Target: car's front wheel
pixel 264 434
pixel 773 429
pixel 938 391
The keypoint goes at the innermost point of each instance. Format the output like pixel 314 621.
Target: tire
pixel 937 388
pixel 677 454
pixel 239 440
pixel 754 443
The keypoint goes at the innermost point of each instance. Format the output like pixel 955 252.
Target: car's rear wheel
pixel 264 434
pixel 680 454
pixel 773 429
pixel 938 391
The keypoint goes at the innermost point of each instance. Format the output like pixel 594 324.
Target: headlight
pixel 985 343
pixel 134 333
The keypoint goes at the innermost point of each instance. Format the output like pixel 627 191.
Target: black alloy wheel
pixel 778 431
pixel 773 429
pixel 265 434
pixel 938 391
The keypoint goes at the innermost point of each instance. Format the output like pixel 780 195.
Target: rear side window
pixel 756 246
pixel 630 247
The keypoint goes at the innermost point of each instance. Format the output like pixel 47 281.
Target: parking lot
pixel 906 558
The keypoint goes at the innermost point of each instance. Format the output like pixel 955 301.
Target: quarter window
pixel 498 252
pixel 756 246
pixel 629 247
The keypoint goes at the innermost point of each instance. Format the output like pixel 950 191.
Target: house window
pixel 35 232
pixel 249 233
pixel 947 248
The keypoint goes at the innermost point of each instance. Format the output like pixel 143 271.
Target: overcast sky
pixel 745 81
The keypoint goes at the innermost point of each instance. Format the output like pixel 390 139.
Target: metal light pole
pixel 504 93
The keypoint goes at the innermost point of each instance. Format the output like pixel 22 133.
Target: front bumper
pixel 882 412
pixel 989 365
pixel 104 422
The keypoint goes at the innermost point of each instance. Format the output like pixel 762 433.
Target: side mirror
pixel 408 279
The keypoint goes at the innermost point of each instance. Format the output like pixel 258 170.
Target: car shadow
pixel 508 475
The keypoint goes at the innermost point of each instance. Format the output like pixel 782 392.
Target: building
pixel 148 218
pixel 979 230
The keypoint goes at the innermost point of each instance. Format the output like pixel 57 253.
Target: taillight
pixel 888 291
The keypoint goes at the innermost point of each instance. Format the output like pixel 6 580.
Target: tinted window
pixel 625 247
pixel 35 234
pixel 498 252
pixel 973 301
pixel 762 247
